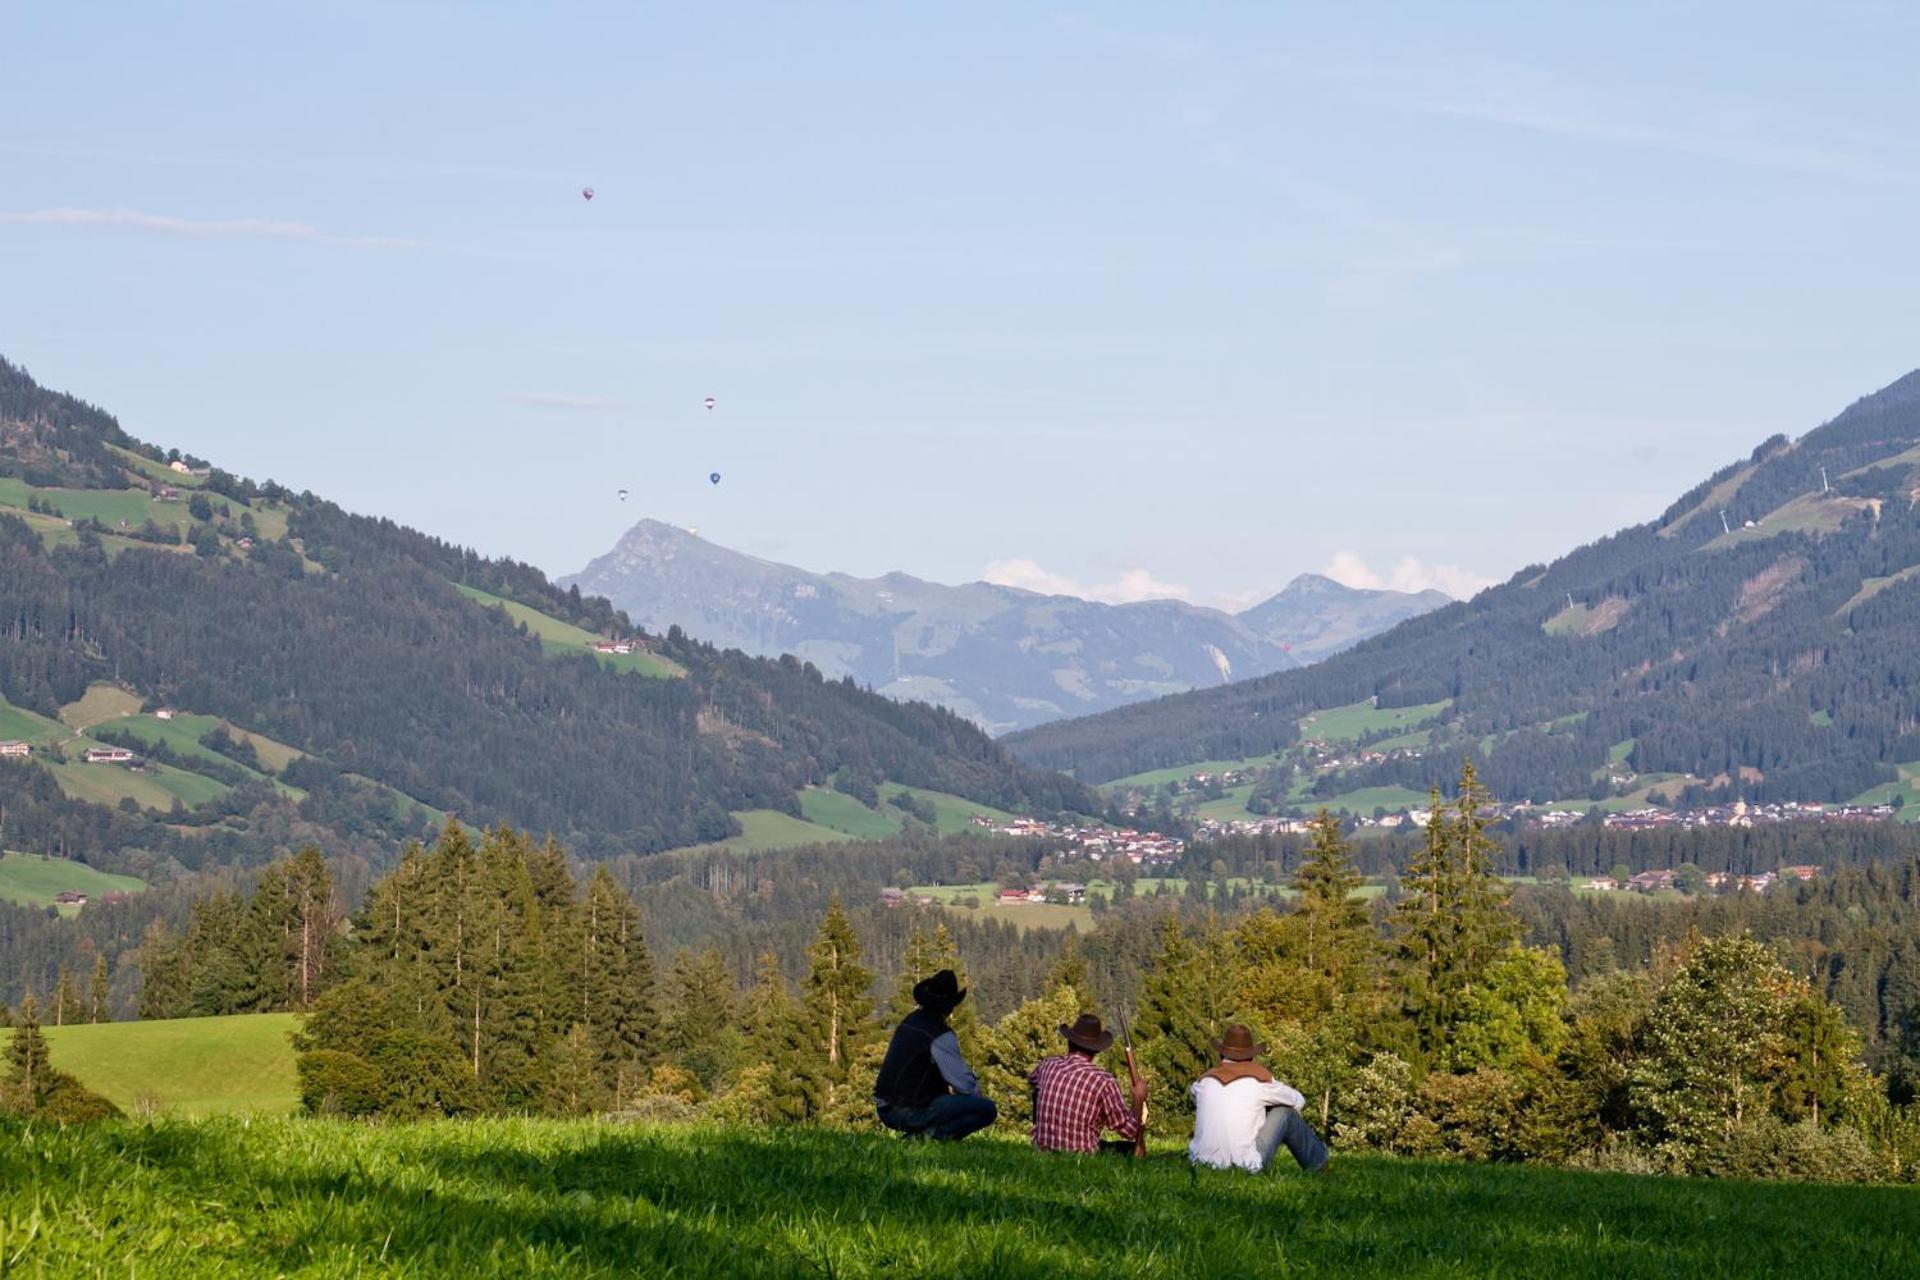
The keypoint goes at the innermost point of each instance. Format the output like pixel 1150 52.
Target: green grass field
pixel 33 881
pixel 156 786
pixel 841 812
pixel 1809 513
pixel 109 506
pixel 954 814
pixel 182 735
pixel 17 723
pixel 239 1065
pixel 99 704
pixel 1346 724
pixel 564 638
pixel 1181 772
pixel 1907 787
pixel 516 1197
pixel 763 830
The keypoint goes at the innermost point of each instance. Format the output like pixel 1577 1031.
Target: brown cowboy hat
pixel 1085 1033
pixel 940 993
pixel 1238 1045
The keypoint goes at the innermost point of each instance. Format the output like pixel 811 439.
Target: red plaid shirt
pixel 1073 1101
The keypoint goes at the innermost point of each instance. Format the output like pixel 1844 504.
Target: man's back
pixel 1073 1101
pixel 1227 1119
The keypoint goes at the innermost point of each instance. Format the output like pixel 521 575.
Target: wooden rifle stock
pixel 1133 1082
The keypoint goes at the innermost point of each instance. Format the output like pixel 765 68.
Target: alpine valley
pixel 1003 657
pixel 197 671
pixel 1757 643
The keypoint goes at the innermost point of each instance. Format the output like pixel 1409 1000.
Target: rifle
pixel 1133 1081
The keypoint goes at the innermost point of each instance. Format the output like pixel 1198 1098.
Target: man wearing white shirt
pixel 1242 1116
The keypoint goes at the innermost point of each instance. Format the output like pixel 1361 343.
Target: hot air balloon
pixel 586 193
pixel 623 495
pixel 709 404
pixel 713 478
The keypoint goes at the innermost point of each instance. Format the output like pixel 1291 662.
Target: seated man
pixel 1074 1100
pixel 925 1088
pixel 1242 1115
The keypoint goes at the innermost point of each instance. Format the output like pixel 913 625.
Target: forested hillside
pixel 344 683
pixel 1757 640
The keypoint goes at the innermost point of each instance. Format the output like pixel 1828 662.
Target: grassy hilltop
pixel 536 1198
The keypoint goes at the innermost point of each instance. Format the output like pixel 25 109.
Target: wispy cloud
pixel 1410 573
pixel 562 400
pixel 1130 587
pixel 167 224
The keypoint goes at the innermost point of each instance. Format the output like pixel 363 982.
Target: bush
pixel 338 1084
pixel 1771 1148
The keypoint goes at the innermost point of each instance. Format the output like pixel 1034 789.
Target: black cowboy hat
pixel 1238 1045
pixel 1085 1033
pixel 939 993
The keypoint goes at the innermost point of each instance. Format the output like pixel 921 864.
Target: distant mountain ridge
pixel 1004 657
pixel 1757 641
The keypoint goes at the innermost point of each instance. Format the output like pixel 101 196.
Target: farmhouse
pixel 1648 881
pixel 108 755
pixel 70 898
pixel 166 493
pixel 613 646
pixel 1604 884
pixel 1011 897
pixel 14 747
pixel 892 897
pixel 165 713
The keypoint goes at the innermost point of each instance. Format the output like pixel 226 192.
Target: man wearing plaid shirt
pixel 1074 1100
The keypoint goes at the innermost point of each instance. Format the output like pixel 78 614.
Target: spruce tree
pixel 311 927
pixel 835 1006
pixel 99 998
pixel 1332 918
pixel 1173 1031
pixel 30 1078
pixel 697 1027
pixel 616 984
pixel 66 999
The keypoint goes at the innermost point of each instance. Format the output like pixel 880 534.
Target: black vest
pixel 909 1077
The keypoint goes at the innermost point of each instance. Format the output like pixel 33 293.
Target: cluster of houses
pixel 1094 843
pixel 1654 881
pixel 107 755
pixel 15 748
pixel 1072 894
pixel 1742 814
pixel 617 646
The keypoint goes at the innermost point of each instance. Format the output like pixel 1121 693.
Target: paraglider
pixel 713 478
pixel 623 495
pixel 709 404
pixel 586 193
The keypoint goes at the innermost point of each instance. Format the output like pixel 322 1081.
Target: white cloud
pixel 166 224
pixel 1410 573
pixel 561 400
pixel 1129 588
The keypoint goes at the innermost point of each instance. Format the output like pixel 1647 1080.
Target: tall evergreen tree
pixel 698 1028
pixel 616 984
pixel 835 1005
pixel 30 1078
pixel 99 998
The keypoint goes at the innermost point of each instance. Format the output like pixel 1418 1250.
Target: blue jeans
pixel 1284 1126
pixel 945 1119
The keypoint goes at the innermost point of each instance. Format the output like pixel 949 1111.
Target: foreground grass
pixel 534 1198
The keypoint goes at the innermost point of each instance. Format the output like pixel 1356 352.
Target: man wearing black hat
pixel 1074 1101
pixel 925 1088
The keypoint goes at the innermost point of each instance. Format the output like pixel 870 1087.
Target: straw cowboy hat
pixel 1086 1033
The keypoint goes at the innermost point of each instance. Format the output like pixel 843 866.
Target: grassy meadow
pixel 33 881
pixel 516 1197
pixel 184 1067
pixel 564 638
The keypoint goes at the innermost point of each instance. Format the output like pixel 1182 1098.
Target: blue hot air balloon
pixel 713 477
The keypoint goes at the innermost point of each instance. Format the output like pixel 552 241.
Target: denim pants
pixel 945 1119
pixel 1285 1127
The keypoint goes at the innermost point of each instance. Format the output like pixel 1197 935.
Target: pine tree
pixel 1454 923
pixel 66 999
pixel 786 1060
pixel 1337 940
pixel 835 1007
pixel 311 929
pixel 697 1028
pixel 163 974
pixel 616 982
pixel 99 999
pixel 1175 1030
pixel 30 1079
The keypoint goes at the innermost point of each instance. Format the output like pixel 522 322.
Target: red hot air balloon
pixel 709 404
pixel 586 193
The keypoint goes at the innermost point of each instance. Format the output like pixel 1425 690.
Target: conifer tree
pixel 30 1078
pixel 698 1025
pixel 616 984
pixel 1454 923
pixel 835 1006
pixel 1337 933
pixel 66 999
pixel 311 928
pixel 786 1060
pixel 99 999
pixel 1175 1029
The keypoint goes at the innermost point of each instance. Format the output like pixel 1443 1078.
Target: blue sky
pixel 1128 298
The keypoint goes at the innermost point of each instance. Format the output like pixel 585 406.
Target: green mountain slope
pixel 368 659
pixel 1773 655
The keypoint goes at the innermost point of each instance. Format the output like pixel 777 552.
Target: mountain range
pixel 1759 640
pixel 202 670
pixel 1004 657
